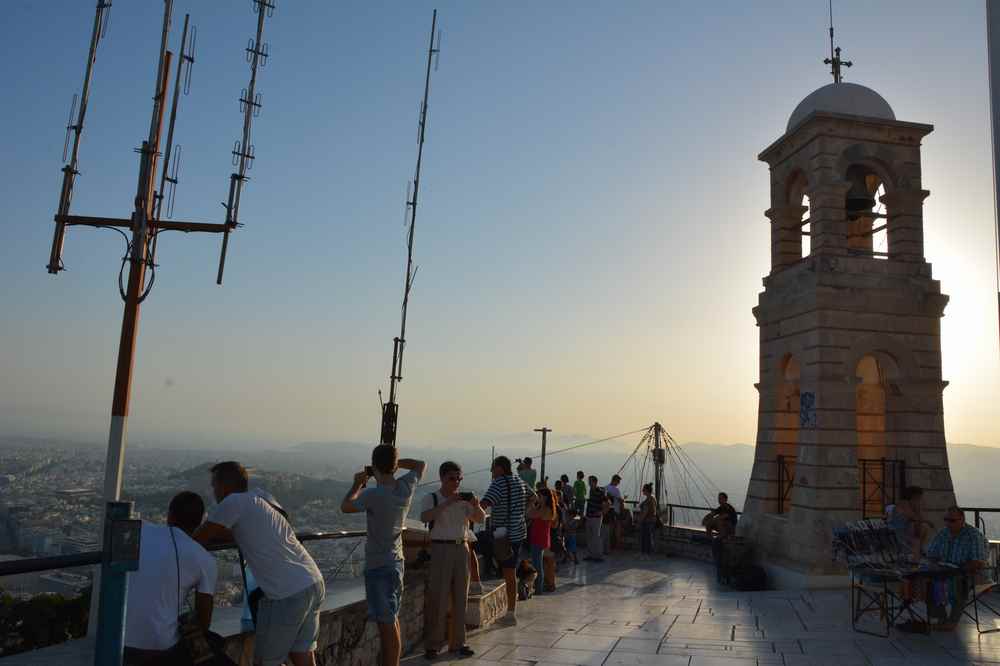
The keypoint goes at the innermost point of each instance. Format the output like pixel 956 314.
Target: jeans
pixel 384 591
pixel 536 561
pixel 646 538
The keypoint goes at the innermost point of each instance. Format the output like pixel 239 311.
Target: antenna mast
pixel 243 151
pixel 390 410
pixel 834 60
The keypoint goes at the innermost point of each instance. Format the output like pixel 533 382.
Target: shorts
pixel 571 543
pixel 288 625
pixel 384 589
pixel 511 562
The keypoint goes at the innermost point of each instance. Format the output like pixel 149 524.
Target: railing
pixel 34 565
pixel 881 479
pixel 786 478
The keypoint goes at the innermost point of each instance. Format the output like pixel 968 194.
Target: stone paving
pixel 671 612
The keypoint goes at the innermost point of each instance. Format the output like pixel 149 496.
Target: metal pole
pixel 143 213
pixel 993 62
pixel 545 431
pixel 658 465
pixel 113 592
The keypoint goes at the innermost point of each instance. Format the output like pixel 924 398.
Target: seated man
pixel 721 521
pixel 171 564
pixel 961 545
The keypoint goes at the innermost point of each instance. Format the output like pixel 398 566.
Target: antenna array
pixel 147 218
pixel 258 53
pixel 390 409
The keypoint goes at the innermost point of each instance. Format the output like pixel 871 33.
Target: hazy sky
pixel 591 237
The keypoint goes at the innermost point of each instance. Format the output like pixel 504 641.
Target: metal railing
pixel 786 479
pixel 37 564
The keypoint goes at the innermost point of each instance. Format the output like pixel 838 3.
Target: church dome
pixel 847 98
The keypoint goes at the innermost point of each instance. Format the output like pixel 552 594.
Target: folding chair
pixel 874 560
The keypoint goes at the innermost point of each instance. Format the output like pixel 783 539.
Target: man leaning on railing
pixel 292 585
pixel 386 506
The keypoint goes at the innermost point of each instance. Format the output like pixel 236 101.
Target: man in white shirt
pixel 288 614
pixel 448 513
pixel 171 564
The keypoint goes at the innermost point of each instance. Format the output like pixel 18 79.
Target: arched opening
pixel 866 217
pixel 797 195
pixel 870 422
pixel 787 424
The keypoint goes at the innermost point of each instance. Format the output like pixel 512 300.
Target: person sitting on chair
pixel 961 545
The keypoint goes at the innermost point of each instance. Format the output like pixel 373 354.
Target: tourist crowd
pixel 522 528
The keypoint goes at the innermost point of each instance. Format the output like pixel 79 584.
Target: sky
pixel 590 239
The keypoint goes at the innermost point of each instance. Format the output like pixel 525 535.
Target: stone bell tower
pixel 850 334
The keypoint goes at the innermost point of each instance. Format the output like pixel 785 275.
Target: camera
pixel 369 470
pixel 466 496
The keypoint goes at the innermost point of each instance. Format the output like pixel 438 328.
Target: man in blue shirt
pixel 386 506
pixel 961 545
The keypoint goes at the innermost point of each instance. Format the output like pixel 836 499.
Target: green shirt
pixel 580 489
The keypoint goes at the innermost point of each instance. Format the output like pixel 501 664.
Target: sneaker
pixel 476 588
pixel 430 655
pixel 464 651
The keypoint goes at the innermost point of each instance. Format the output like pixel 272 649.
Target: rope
pixel 552 453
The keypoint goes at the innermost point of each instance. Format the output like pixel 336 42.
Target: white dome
pixel 848 98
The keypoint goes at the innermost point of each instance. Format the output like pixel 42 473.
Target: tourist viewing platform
pixel 672 609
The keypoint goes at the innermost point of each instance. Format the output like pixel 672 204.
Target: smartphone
pixel 466 496
pixel 369 470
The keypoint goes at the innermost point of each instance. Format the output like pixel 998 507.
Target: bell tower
pixel 850 333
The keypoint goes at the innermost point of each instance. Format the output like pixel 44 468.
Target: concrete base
pixel 786 577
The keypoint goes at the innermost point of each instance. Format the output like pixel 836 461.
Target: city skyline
pixel 591 236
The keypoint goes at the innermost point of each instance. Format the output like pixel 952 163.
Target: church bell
pixel 860 200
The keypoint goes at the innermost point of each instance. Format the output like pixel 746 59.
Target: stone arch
pixel 896 357
pixel 796 194
pixel 786 426
pixel 879 160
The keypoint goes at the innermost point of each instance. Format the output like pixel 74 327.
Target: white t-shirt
pixel 281 564
pixel 452 523
pixel 153 604
pixel 615 493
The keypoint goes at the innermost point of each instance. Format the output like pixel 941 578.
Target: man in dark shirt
pixel 722 520
pixel 597 506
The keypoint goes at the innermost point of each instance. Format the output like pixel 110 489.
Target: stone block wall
pixel 347 637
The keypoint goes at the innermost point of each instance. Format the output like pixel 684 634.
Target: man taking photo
pixel 385 506
pixel 447 512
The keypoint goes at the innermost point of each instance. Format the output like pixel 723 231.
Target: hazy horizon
pixel 591 237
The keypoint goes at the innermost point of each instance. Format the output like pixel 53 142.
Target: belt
pixel 453 542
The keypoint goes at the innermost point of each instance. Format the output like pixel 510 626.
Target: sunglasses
pixel 952 520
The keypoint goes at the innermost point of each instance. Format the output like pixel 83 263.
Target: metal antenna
pixel 184 64
pixel 243 151
pixel 69 170
pixel 834 59
pixel 390 409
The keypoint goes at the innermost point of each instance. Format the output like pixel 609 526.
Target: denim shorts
pixel 511 562
pixel 384 589
pixel 288 625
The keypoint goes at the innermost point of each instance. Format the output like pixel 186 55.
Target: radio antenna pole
pixel 70 170
pixel 390 410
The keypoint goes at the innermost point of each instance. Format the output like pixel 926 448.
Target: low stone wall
pixel 347 637
pixel 683 542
